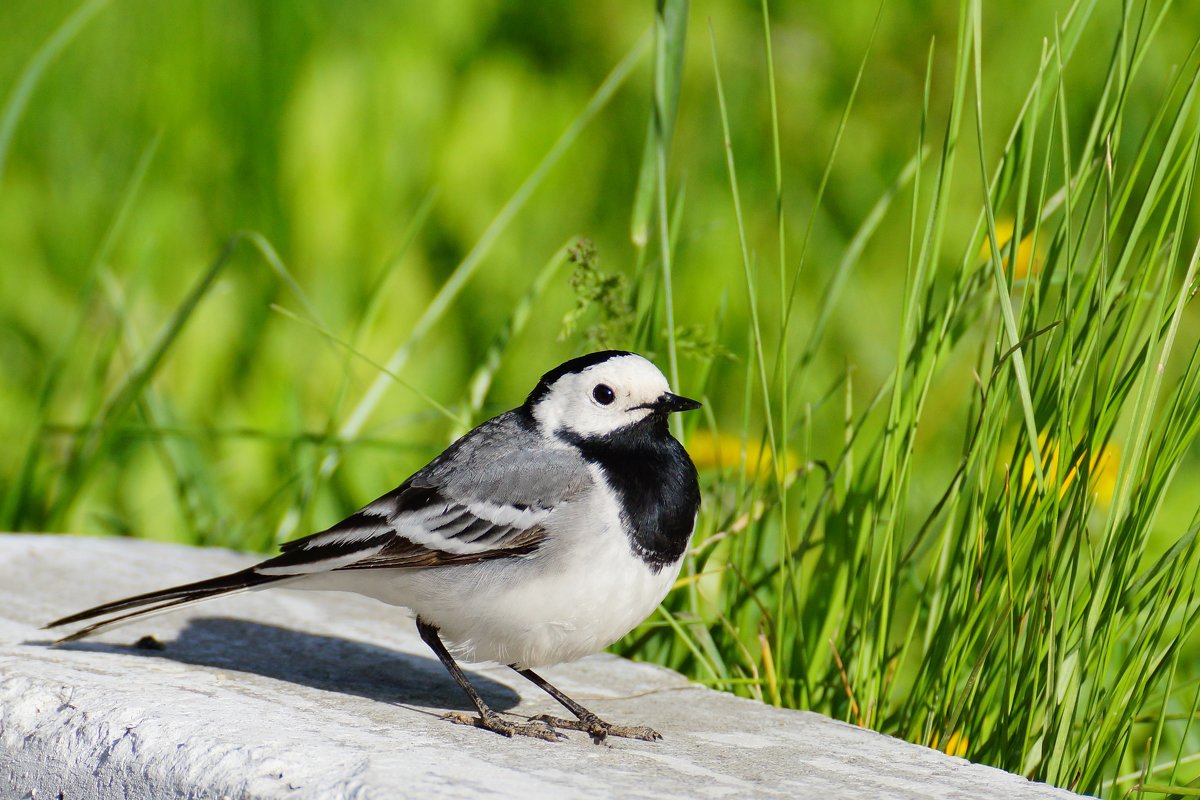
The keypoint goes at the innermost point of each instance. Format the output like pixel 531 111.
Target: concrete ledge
pixel 305 695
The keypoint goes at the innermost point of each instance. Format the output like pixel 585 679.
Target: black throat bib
pixel 655 482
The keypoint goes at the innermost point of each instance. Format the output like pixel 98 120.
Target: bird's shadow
pixel 328 663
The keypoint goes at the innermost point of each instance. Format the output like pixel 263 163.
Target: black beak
pixel 669 403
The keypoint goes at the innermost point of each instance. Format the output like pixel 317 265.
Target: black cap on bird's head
pixel 601 392
pixel 578 364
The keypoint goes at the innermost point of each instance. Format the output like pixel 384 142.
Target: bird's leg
pixel 588 722
pixel 488 719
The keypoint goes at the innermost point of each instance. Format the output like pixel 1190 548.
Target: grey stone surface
pixel 304 695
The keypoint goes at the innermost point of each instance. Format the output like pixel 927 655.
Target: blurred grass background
pixel 324 129
pixel 369 147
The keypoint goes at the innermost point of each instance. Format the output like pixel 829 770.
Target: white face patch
pixel 575 402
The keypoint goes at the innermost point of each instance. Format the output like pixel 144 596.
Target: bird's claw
pixel 598 729
pixel 535 728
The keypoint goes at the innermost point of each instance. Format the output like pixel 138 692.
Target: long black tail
pixel 163 600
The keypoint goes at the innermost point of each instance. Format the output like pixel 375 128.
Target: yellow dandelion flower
pixel 1029 261
pixel 1102 471
pixel 956 744
pixel 725 452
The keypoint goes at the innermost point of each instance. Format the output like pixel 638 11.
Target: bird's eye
pixel 604 395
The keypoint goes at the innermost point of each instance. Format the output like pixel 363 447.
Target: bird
pixel 541 536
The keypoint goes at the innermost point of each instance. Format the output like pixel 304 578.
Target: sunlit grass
pixel 1028 617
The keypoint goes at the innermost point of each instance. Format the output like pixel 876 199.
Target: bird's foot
pixel 598 729
pixel 535 728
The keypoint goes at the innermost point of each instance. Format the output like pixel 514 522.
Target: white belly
pixel 574 597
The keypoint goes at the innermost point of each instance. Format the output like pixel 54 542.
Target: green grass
pixel 937 298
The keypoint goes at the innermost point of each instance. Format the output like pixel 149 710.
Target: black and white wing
pixel 485 498
pixel 415 526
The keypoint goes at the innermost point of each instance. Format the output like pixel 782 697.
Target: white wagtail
pixel 543 535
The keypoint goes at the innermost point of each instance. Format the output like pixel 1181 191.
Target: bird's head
pixel 601 393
